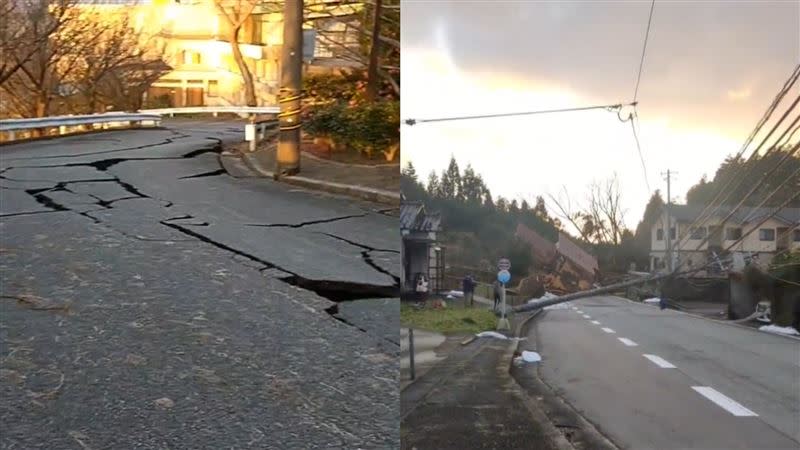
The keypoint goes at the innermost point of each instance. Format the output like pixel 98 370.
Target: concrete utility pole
pixel 288 158
pixel 668 230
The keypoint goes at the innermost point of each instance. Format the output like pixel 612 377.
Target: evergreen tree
pixel 451 181
pixel 434 187
pixel 409 171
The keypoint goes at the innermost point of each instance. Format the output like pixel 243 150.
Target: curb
pixel 537 413
pixel 367 166
pixel 554 406
pixel 363 192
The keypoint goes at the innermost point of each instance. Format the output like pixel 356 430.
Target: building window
pixel 660 234
pixel 672 233
pixel 733 234
pixel 796 234
pixel 190 57
pixel 697 233
pixel 213 90
pixel 766 234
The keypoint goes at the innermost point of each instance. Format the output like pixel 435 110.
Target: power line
pixel 764 118
pixel 740 177
pixel 644 49
pixel 752 190
pixel 641 158
pixel 614 107
pixel 709 209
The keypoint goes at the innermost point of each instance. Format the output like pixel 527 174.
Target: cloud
pixel 695 50
pixel 740 94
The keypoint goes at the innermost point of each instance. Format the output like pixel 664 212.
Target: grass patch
pixel 448 321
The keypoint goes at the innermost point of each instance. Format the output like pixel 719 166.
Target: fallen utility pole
pixel 590 293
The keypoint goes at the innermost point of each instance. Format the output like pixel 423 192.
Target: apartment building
pixel 756 240
pixel 194 36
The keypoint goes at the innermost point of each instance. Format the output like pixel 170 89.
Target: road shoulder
pixel 379 183
pixel 576 429
pixel 470 400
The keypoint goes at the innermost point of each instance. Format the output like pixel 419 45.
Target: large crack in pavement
pixel 304 224
pixel 335 291
pixel 166 141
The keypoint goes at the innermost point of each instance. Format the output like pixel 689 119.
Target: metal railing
pixel 65 124
pixel 11 128
pixel 215 110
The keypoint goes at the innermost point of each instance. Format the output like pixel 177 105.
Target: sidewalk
pixel 426 344
pixel 371 182
pixel 470 400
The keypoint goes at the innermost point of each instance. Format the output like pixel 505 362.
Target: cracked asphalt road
pixel 149 300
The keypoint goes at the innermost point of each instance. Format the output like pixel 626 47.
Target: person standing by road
pixel 498 293
pixel 468 286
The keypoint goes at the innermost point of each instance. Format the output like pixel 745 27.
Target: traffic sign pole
pixel 503 276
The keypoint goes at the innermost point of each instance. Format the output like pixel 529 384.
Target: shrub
pixel 328 88
pixel 371 129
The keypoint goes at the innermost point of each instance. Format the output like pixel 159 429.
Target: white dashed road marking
pixel 596 322
pixel 608 330
pixel 724 402
pixel 574 308
pixel 660 362
pixel 586 316
pixel 628 342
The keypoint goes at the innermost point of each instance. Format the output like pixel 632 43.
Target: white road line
pixel 579 311
pixel 724 402
pixel 596 322
pixel 586 316
pixel 628 342
pixel 608 330
pixel 574 308
pixel 660 362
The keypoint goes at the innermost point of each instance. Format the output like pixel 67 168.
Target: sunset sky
pixel 710 71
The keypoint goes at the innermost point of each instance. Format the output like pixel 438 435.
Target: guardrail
pixel 9 128
pixel 65 123
pixel 215 109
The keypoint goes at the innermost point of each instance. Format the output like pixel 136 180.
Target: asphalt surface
pixel 149 300
pixel 704 385
pixel 470 401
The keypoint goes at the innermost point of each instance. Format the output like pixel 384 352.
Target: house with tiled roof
pixel 421 254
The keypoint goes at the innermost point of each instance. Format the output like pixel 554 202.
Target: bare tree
pixel 90 62
pixel 236 13
pixel 119 67
pixel 567 212
pixel 24 27
pixel 379 33
pixel 606 211
pixel 45 70
pixel 602 220
pixel 374 52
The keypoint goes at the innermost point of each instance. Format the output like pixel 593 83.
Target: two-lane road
pixel 662 379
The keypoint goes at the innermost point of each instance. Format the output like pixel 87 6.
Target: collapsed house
pixel 561 267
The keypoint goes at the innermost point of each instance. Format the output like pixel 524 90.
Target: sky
pixel 711 69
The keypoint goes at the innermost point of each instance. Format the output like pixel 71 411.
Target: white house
pixel 689 244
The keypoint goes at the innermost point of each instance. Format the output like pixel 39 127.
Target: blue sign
pixel 504 276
